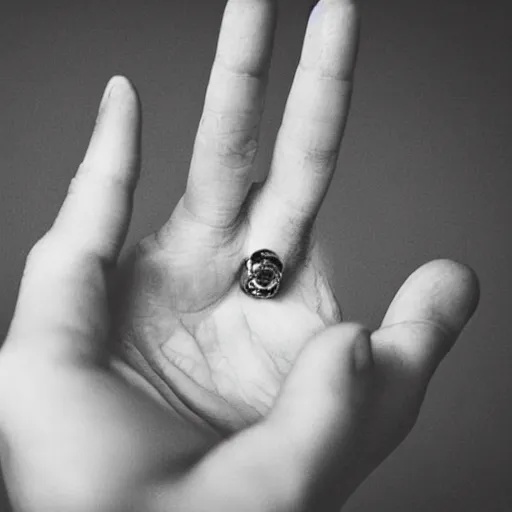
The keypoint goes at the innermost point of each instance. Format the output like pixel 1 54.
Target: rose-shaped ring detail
pixel 261 274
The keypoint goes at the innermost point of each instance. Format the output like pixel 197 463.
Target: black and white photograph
pixel 255 256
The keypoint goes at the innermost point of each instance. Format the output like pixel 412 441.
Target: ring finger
pixel 308 142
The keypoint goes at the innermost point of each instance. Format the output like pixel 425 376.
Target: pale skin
pixel 150 382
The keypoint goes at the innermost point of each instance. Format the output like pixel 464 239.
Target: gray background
pixel 424 173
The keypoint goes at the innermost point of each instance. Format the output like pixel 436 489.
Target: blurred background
pixel 424 173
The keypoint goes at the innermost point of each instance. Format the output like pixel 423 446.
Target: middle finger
pixel 227 138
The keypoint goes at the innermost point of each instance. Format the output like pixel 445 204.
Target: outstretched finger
pixel 97 210
pixel 308 142
pixel 63 289
pixel 227 138
pixel 425 318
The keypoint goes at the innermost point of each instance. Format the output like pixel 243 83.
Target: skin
pixel 150 381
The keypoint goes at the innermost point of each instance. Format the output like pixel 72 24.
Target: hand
pixel 83 431
pixel 181 319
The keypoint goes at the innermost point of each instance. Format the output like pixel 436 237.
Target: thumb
pixel 302 455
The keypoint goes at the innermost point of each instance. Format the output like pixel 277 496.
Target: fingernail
pixel 363 356
pixel 109 89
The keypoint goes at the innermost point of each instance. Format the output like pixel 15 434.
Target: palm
pixel 181 318
pixel 224 354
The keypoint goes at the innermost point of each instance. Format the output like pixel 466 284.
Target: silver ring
pixel 261 274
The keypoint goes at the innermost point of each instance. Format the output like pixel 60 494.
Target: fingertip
pixel 346 341
pixel 120 83
pixel 427 316
pixel 348 10
pixel 338 341
pixel 458 290
pixel 351 330
pixel 466 277
pixel 119 87
pixel 443 291
pixel 362 351
pixel 331 369
pixel 332 38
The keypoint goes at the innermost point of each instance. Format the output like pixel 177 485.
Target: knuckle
pixel 326 72
pixel 242 67
pixel 232 144
pixel 100 176
pixel 296 145
pixel 318 160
